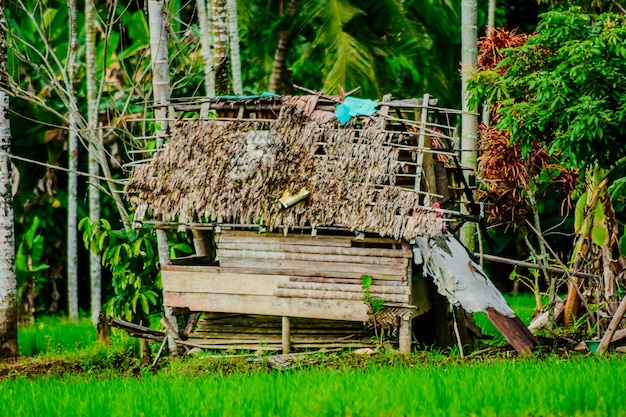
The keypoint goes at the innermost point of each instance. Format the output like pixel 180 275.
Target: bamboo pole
pixel 525 264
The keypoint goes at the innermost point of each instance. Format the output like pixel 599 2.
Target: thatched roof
pixel 235 171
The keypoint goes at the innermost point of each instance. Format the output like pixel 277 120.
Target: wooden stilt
pixel 286 342
pixel 404 341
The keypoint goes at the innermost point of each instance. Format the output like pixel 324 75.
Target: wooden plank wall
pixel 295 276
pixel 253 332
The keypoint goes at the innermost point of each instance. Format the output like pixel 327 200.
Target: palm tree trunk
pixel 206 37
pixel 95 268
pixel 491 28
pixel 469 119
pixel 72 193
pixel 235 57
pixel 161 92
pixel 220 43
pixel 8 281
pixel 285 40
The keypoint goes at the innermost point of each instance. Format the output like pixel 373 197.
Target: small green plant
pixel 376 303
pixel 376 306
pixel 131 257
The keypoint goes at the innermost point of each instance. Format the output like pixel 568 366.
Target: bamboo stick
pixel 525 264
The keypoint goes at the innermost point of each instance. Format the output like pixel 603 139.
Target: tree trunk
pixel 161 93
pixel 491 28
pixel 469 119
pixel 72 192
pixel 220 43
pixel 235 57
pixel 278 77
pixel 159 63
pixel 95 267
pixel 8 281
pixel 206 37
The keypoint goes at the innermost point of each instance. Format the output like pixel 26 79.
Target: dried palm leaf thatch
pixel 236 171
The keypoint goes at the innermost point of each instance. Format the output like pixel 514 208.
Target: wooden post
pixel 608 336
pixel 404 338
pixel 419 170
pixel 164 259
pixel 286 335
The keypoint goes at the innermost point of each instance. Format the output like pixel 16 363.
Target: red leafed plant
pixel 490 47
pixel 509 176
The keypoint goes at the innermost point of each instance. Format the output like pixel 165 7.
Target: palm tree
pixel 8 281
pixel 469 119
pixel 161 92
pixel 233 38
pixel 72 193
pixel 381 46
pixel 206 40
pixel 220 47
pixel 95 271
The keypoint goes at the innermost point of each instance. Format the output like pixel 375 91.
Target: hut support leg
pixel 404 341
pixel 286 335
pixel 164 259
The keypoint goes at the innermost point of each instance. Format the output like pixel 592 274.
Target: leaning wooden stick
pixel 608 336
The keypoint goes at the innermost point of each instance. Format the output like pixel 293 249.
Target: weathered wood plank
pixel 351 288
pixel 221 320
pixel 261 245
pixel 224 330
pixel 352 281
pixel 244 338
pixel 274 238
pixel 314 267
pixel 399 277
pixel 354 310
pixel 334 295
pixel 513 330
pixel 220 283
pixel 201 343
pixel 312 257
pixel 302 239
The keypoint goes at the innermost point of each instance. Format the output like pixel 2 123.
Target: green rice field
pixel 577 387
pixel 70 375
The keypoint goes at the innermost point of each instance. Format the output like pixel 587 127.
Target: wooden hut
pixel 304 226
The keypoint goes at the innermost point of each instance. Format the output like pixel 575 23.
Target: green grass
pixel 55 335
pixel 74 376
pixel 586 386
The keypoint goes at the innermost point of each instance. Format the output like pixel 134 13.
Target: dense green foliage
pixel 564 88
pixel 131 257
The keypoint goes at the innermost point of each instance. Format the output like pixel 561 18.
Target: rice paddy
pixel 107 381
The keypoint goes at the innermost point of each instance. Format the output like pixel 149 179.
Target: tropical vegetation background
pixel 80 80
